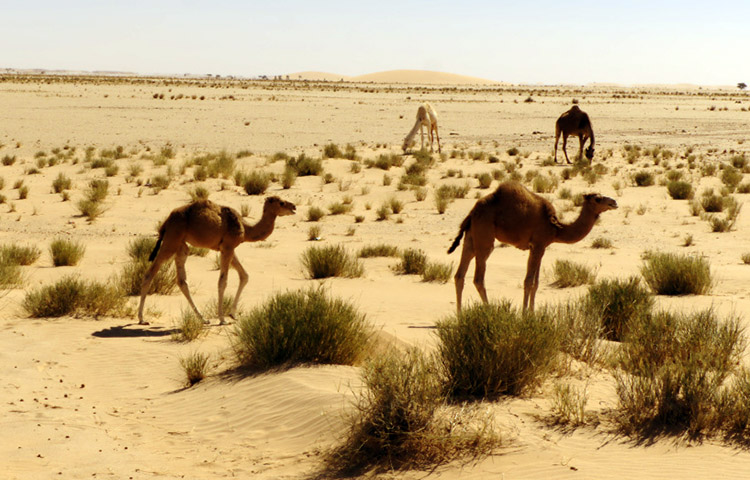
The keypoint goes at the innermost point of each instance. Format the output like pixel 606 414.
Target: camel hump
pixel 231 219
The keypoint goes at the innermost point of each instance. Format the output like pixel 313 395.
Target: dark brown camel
pixel 208 225
pixel 516 216
pixel 575 122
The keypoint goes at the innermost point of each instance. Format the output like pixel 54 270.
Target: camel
pixel 575 122
pixel 205 224
pixel 516 216
pixel 426 117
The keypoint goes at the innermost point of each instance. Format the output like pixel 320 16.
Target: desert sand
pixel 105 398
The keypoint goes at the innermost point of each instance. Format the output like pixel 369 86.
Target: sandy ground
pixel 86 398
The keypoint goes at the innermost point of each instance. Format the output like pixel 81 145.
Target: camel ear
pixel 592 196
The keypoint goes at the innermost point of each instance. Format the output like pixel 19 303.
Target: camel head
pixel 279 207
pixel 407 144
pixel 599 203
pixel 590 152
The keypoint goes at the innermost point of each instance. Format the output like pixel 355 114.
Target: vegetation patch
pixel 677 274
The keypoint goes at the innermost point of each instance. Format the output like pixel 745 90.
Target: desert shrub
pixel 199 192
pixel 401 420
pixel 66 252
pixel 710 202
pixel 570 274
pixel 23 192
pixel 9 160
pixel 91 206
pixel 331 261
pixel 437 272
pixel 160 182
pixel 680 190
pixel 190 327
pixel 743 188
pixel 385 161
pixel 725 223
pixel 131 275
pixel 332 150
pixel 61 182
pixel 195 367
pixel 304 326
pixel 492 349
pixel 256 182
pixel 601 242
pixel 746 258
pixel 485 180
pixel 305 166
pixel 618 303
pixel 544 184
pixel 413 262
pixel 11 275
pixel 13 254
pixel 731 177
pixel 339 208
pixel 569 405
pixel 380 250
pixel 580 328
pixel 288 178
pixel 383 212
pixel 675 274
pixel 315 213
pixel 313 233
pixel 73 296
pixel 644 178
pixel 672 370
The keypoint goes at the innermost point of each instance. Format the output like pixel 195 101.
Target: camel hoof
pixel 224 322
pixel 143 323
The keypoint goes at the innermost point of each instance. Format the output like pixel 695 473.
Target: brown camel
pixel 575 122
pixel 208 225
pixel 426 117
pixel 516 216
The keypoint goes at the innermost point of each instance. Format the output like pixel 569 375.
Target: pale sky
pixel 543 41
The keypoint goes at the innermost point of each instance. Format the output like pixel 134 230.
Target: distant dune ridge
pixel 398 76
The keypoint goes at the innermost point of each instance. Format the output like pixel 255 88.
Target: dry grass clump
pixel 379 250
pixel 195 367
pixel 675 274
pixel 570 274
pixel 569 405
pixel 727 222
pixel 61 182
pixel 618 303
pixel 256 182
pixel 315 213
pixel 672 371
pixel 305 166
pixel 644 178
pixel 66 252
pixel 413 262
pixel 91 205
pixel 11 275
pixel 198 193
pixel 731 177
pixel 304 326
pixel 13 254
pixel 492 349
pixel 680 190
pixel 401 420
pixel 601 242
pixel 190 327
pixel 331 261
pixel 73 296
pixel 385 161
pixel 131 275
pixel 437 272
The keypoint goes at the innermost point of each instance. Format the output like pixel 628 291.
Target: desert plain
pixel 106 397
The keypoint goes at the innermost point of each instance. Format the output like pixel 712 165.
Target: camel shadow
pixel 133 330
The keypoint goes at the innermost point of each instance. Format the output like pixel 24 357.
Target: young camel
pixel 426 117
pixel 208 225
pixel 575 122
pixel 516 216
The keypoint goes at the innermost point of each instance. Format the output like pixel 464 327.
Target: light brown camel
pixel 426 117
pixel 208 225
pixel 516 216
pixel 575 122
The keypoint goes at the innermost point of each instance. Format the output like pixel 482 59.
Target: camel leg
pixel 148 278
pixel 438 139
pixel 581 141
pixel 421 135
pixel 429 132
pixel 467 254
pixel 557 139
pixel 243 281
pixel 565 147
pixel 531 282
pixel 179 262
pixel 225 260
pixel 482 252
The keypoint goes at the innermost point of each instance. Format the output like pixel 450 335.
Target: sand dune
pixel 425 77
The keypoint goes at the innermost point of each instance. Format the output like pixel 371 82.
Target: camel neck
pixel 576 231
pixel 262 229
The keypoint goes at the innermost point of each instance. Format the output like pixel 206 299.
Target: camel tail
pixel 465 225
pixel 155 251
